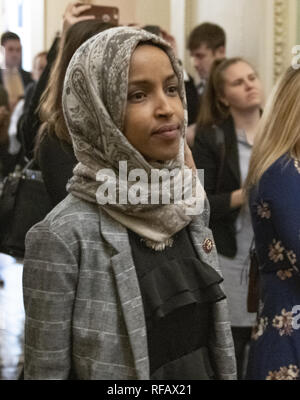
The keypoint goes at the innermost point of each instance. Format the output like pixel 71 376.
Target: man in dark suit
pixel 206 43
pixel 13 77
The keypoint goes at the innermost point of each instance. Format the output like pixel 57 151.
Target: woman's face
pixel 242 89
pixel 154 112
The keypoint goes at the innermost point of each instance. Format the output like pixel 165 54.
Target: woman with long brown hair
pixel 54 151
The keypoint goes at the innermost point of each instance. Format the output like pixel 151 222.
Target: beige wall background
pixel 1 17
pixel 54 10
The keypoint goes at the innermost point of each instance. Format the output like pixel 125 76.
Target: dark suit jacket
pixel 29 121
pixel 3 96
pixel 207 154
pixel 193 100
pixel 26 77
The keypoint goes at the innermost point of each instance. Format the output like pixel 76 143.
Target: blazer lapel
pixel 232 154
pixel 129 291
pixel 199 234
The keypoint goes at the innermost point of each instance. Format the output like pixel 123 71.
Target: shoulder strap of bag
pixel 29 165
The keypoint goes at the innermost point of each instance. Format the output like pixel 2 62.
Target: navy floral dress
pixel 275 213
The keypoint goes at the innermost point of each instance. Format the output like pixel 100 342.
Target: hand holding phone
pixel 74 12
pixel 104 13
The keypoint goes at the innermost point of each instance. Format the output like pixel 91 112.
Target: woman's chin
pixel 162 158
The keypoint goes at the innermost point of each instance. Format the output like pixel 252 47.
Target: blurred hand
pixel 72 14
pixel 238 198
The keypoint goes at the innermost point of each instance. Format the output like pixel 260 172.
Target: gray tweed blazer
pixel 83 304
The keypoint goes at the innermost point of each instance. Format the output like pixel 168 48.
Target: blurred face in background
pixel 13 53
pixel 39 64
pixel 203 58
pixel 242 88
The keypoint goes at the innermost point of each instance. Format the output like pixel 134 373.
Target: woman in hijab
pixel 113 289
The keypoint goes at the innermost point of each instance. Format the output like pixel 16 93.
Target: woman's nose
pixel 163 105
pixel 249 84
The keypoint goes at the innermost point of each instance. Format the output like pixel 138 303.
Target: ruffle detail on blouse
pixel 193 366
pixel 177 284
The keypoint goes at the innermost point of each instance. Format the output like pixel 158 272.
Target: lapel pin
pixel 208 245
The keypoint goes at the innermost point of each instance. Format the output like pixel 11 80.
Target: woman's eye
pixel 172 90
pixel 237 83
pixel 137 96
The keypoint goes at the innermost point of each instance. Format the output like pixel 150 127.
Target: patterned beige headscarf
pixel 94 103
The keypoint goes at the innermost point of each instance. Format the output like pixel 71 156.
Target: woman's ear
pixel 223 101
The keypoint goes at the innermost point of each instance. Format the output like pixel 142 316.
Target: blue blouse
pixel 275 212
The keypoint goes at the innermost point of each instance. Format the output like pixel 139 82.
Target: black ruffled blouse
pixel 178 291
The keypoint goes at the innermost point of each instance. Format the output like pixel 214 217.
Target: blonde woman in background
pixel 274 196
pixel 227 123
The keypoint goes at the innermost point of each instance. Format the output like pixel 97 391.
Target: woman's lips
pixel 167 131
pixel 253 94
